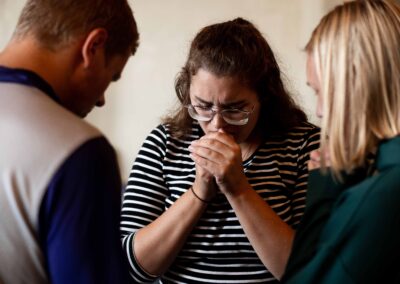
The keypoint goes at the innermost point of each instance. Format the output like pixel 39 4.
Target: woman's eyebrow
pixel 202 101
pixel 237 103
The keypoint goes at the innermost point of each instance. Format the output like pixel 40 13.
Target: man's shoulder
pixel 34 114
pixel 38 134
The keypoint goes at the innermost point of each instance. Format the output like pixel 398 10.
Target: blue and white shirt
pixel 59 190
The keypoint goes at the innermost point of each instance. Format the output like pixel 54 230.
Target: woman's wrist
pixel 239 190
pixel 198 197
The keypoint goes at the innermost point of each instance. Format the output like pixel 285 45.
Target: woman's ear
pixel 94 46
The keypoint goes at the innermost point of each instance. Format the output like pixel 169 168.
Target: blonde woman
pixel 351 228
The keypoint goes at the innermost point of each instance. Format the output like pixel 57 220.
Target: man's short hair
pixel 55 23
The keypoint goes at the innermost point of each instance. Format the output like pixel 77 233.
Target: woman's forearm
pixel 269 235
pixel 157 245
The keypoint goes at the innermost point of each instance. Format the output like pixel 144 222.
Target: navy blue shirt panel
pixel 79 218
pixel 28 78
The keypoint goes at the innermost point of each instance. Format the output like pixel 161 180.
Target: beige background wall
pixel 145 92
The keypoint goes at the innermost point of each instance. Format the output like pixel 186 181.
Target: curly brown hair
pixel 237 49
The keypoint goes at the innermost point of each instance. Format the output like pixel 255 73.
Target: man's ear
pixel 93 46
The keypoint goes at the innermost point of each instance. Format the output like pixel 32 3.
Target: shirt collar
pixel 388 153
pixel 28 78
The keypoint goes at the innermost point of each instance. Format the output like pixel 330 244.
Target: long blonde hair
pixel 356 52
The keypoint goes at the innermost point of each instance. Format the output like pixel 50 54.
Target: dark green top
pixel 350 232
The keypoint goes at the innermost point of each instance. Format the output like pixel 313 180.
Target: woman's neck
pixel 250 146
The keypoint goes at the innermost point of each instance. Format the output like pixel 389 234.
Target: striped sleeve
pixel 298 199
pixel 146 190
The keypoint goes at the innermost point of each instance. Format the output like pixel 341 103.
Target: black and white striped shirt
pixel 217 250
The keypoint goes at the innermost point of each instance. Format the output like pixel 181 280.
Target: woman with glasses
pixel 217 190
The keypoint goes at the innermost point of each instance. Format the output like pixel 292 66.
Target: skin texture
pixel 219 153
pixel 314 82
pixel 79 72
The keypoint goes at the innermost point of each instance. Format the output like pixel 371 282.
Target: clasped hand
pixel 218 160
pixel 315 159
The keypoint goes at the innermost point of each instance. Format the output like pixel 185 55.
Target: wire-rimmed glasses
pixel 231 116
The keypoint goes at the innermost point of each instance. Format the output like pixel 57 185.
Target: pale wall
pixel 145 92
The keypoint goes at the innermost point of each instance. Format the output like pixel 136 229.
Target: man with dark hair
pixel 59 178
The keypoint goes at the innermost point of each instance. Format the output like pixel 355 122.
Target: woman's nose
pixel 218 121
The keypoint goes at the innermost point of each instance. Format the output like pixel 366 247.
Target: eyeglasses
pixel 231 116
